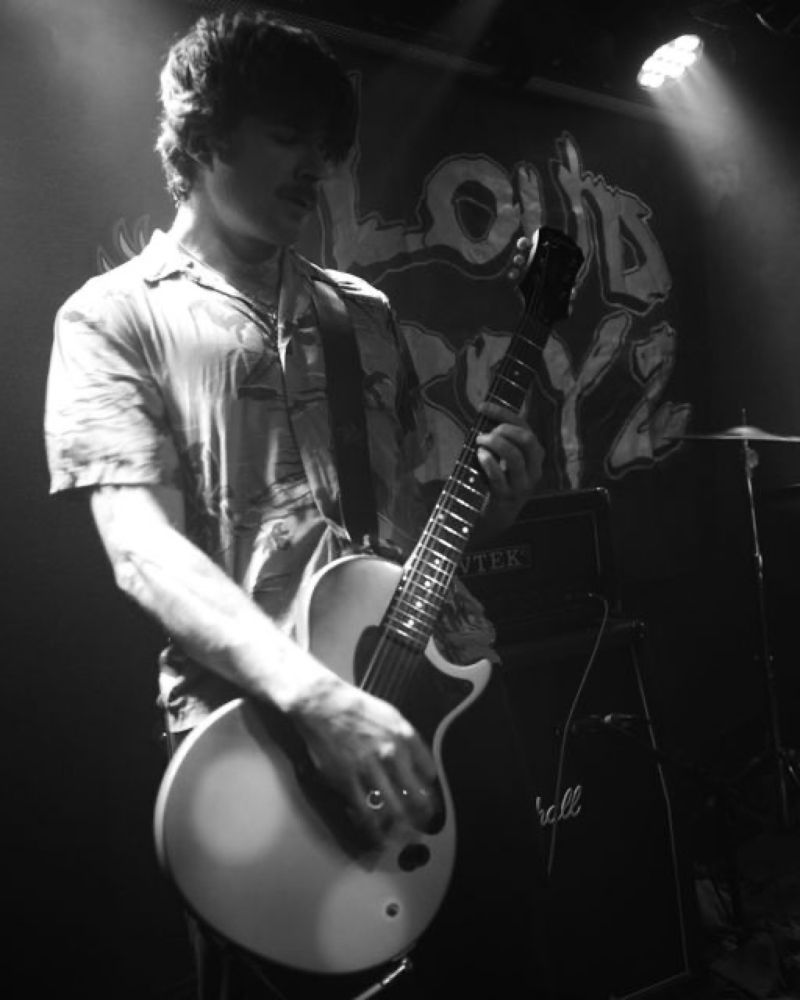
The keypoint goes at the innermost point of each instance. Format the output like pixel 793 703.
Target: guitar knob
pixel 413 856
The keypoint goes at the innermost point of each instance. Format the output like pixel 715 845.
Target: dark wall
pixel 90 910
pixel 82 758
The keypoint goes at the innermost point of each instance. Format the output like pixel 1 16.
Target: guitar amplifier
pixel 544 575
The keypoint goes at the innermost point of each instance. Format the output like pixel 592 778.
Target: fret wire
pixel 524 364
pixel 436 576
pixel 465 503
pixel 513 383
pixel 413 625
pixel 527 341
pixel 522 354
pixel 505 371
pixel 420 597
pixel 466 486
pixel 496 398
pixel 449 545
pixel 456 531
pixel 414 592
pixel 478 486
pixel 462 509
pixel 424 620
pixel 438 581
pixel 466 461
pixel 441 511
pixel 414 639
pixel 399 613
pixel 406 604
pixel 451 512
pixel 411 579
pixel 445 516
pixel 448 514
pixel 452 531
pixel 478 490
pixel 427 547
pixel 429 553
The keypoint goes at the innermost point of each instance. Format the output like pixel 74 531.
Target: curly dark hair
pixel 248 63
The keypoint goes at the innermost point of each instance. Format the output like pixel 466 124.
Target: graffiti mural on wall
pixel 469 213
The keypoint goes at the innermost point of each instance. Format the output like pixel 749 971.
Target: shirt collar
pixel 163 258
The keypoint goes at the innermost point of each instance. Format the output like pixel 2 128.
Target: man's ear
pixel 220 146
pixel 201 147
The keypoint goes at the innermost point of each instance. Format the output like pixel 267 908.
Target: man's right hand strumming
pixel 369 753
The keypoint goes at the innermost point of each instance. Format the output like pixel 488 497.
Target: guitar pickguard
pixel 428 695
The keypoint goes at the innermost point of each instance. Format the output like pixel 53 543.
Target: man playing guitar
pixel 187 395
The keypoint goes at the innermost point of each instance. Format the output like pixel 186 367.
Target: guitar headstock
pixel 546 267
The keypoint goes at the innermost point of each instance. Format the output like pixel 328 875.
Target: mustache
pixel 303 194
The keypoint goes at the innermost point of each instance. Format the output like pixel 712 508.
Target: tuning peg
pixel 520 259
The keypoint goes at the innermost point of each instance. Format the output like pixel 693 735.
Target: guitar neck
pixel 432 565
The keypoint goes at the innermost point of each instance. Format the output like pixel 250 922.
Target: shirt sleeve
pixel 105 420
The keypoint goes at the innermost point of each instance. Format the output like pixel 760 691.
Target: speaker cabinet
pixel 621 919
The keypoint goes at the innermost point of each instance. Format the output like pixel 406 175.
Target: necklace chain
pixel 253 295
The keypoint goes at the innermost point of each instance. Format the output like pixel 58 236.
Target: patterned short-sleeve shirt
pixel 163 373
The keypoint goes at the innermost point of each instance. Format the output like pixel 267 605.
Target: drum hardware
pixel 740 432
pixel 783 759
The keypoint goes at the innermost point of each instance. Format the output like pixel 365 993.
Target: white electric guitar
pixel 258 847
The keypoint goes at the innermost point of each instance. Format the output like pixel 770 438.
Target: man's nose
pixel 314 162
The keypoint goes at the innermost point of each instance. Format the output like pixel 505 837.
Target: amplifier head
pixel 544 574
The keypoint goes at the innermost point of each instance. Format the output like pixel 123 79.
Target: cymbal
pixel 741 432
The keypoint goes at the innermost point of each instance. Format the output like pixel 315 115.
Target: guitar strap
pixel 345 381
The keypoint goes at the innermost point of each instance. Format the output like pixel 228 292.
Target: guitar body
pixel 261 853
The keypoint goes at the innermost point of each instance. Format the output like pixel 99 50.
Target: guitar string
pixel 390 673
pixel 390 670
pixel 397 672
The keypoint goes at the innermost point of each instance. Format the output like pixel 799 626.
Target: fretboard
pixel 432 565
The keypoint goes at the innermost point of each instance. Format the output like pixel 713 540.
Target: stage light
pixel 670 61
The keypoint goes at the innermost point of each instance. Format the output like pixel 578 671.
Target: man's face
pixel 263 183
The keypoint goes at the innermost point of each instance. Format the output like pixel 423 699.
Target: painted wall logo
pixel 468 215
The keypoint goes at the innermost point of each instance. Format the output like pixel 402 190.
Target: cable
pixel 562 752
